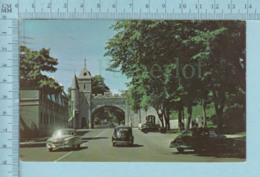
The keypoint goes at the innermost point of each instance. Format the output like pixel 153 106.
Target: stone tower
pixel 84 81
pixel 81 99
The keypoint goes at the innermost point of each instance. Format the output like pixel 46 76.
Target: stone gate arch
pixel 94 111
pixel 109 100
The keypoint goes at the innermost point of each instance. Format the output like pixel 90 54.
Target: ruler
pixel 13 10
pixel 140 9
pixel 9 89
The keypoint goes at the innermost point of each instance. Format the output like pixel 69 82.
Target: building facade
pixel 41 114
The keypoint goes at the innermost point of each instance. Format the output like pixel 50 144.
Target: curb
pixel 33 144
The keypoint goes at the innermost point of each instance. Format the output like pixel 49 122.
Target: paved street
pixel 97 147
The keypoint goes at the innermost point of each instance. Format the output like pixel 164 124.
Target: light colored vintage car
pixel 63 138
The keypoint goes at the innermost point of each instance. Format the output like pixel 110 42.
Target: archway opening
pixel 108 116
pixel 83 122
pixel 150 118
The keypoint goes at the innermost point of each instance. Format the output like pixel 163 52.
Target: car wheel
pixel 50 149
pixel 197 150
pixel 180 150
pixel 145 131
pixel 78 146
pixel 162 130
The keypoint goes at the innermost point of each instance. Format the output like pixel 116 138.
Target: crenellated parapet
pixel 108 95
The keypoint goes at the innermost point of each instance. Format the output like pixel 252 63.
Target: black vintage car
pixel 122 136
pixel 151 127
pixel 201 139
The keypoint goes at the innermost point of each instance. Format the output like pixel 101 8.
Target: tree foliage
pixel 111 114
pixel 176 64
pixel 32 64
pixel 98 85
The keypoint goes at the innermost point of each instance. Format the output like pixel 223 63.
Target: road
pixel 97 147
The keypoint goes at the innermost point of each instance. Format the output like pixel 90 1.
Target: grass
pixel 172 131
pixel 196 112
pixel 241 133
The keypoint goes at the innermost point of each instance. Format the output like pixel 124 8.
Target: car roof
pixel 117 127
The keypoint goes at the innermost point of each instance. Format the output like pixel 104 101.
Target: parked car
pixel 122 136
pixel 151 127
pixel 63 138
pixel 201 139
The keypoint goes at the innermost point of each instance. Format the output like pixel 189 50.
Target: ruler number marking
pixel 163 5
pixel 4 162
pixel 231 6
pixel 215 6
pixel 49 5
pixel 198 6
pixel 249 6
pixel 182 6
pixel 4 113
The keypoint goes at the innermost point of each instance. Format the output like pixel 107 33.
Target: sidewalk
pixel 34 142
pixel 238 138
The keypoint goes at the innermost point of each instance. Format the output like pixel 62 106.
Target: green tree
pixel 222 51
pixel 158 56
pixel 32 64
pixel 98 85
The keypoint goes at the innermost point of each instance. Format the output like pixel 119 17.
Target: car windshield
pixel 58 133
pixel 186 132
pixel 212 133
pixel 123 131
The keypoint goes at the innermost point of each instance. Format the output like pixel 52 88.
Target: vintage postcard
pixel 132 91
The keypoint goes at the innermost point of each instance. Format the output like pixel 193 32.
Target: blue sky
pixel 71 41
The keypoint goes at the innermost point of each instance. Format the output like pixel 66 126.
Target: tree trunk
pixel 182 114
pixel 160 117
pixel 180 119
pixel 167 124
pixel 204 104
pixel 166 118
pixel 219 110
pixel 189 111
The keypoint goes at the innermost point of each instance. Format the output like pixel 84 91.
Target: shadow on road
pixel 71 149
pixel 133 146
pixel 81 132
pixel 86 139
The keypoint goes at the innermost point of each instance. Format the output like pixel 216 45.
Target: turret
pixel 84 81
pixel 75 94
